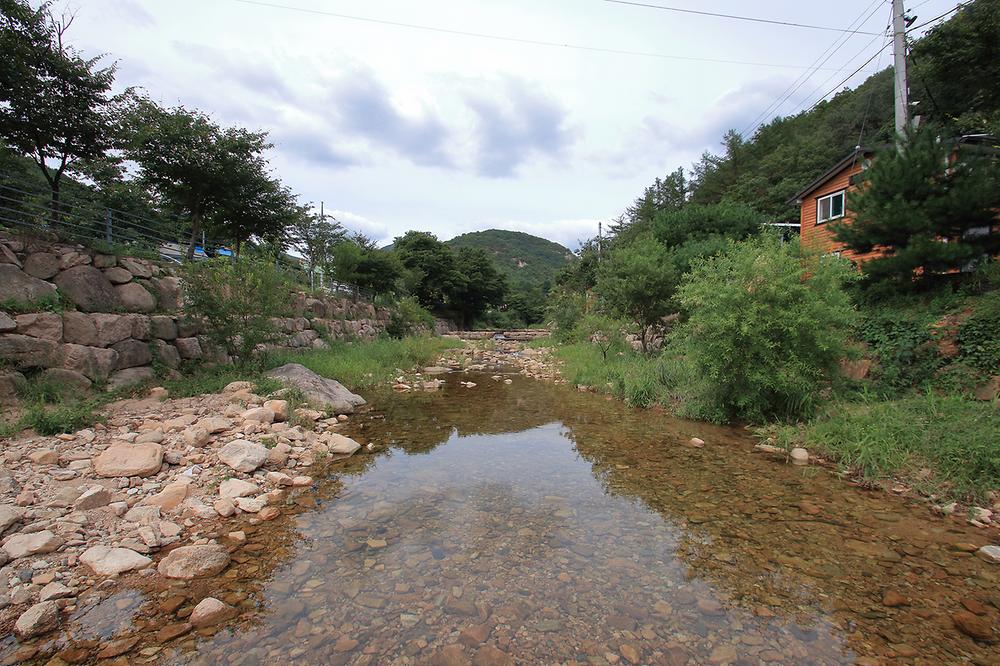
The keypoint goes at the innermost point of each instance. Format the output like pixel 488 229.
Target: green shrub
pixel 407 317
pixel 237 300
pixel 53 302
pixel 979 336
pixel 899 338
pixel 63 417
pixel 565 310
pixel 767 329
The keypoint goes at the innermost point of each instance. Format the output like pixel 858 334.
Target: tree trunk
pixel 195 230
pixel 56 203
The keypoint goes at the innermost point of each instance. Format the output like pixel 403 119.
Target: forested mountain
pixel 527 261
pixel 953 73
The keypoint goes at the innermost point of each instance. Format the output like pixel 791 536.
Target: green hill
pixel 527 261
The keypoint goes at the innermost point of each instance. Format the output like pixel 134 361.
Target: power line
pixel 878 53
pixel 817 64
pixel 515 40
pixel 738 17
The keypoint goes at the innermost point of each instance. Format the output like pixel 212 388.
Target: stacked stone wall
pixel 112 320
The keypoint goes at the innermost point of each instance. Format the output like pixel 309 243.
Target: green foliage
pixel 237 300
pixel 766 330
pixel 979 336
pixel 68 416
pixel 637 282
pixel 952 436
pixel 53 302
pixel 564 311
pixel 923 215
pixel 55 105
pixel 314 237
pixel 432 275
pixel 369 364
pixel 480 286
pixel 603 332
pixel 407 318
pixel 899 339
pixel 728 220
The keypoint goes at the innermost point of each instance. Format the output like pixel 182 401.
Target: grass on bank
pixel 49 411
pixel 945 443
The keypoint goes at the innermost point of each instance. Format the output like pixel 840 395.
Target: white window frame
pixel 829 197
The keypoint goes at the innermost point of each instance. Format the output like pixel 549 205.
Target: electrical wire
pixel 947 13
pixel 817 64
pixel 515 40
pixel 737 17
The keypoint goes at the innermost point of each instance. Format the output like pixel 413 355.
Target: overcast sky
pixel 397 128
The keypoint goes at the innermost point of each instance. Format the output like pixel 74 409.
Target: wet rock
pixel 172 631
pixel 211 611
pixel 340 445
pixel 324 393
pixel 117 647
pixel 107 561
pixel 488 655
pixel 893 599
pixel 37 620
pixel 242 455
pixel 973 625
pixel 189 562
pixel 129 460
pixel 24 545
pixel 451 655
pixel 989 553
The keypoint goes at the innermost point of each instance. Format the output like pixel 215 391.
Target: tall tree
pixel 258 207
pixel 189 161
pixel 480 286
pixel 432 274
pixel 314 237
pixel 55 105
pixel 929 208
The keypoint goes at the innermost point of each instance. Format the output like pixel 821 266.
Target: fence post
pixel 107 225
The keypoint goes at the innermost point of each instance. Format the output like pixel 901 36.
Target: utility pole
pixel 899 66
pixel 600 241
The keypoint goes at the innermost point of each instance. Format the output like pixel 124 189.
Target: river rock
pixel 973 625
pixel 340 445
pixel 171 497
pixel 88 288
pixel 189 562
pixel 799 456
pixel 129 460
pixel 22 545
pixel 93 498
pixel 250 504
pixel 243 456
pixel 324 393
pixel 233 488
pixel 210 611
pixel 16 285
pixel 106 561
pixel 39 619
pixel 259 414
pixel 279 408
pixel 989 553
pixel 195 436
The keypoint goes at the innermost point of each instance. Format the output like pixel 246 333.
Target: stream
pixel 531 524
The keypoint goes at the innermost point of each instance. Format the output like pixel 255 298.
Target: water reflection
pixel 531 524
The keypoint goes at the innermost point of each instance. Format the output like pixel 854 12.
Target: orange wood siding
pixel 819 237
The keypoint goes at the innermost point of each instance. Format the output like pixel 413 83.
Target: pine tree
pixel 928 208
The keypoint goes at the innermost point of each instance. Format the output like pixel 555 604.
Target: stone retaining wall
pixel 121 316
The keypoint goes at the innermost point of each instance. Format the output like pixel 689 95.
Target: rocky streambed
pixel 494 519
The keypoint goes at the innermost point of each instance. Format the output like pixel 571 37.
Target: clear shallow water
pixel 527 523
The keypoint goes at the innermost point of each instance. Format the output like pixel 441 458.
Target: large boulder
pixel 130 377
pixel 132 353
pixel 243 456
pixel 45 325
pixel 7 323
pixel 167 354
pixel 163 327
pixel 137 267
pixel 79 329
pixel 325 393
pixel 189 348
pixel 118 275
pixel 129 460
pixel 37 620
pixel 188 562
pixel 24 351
pixel 168 293
pixel 69 381
pixel 88 288
pixel 135 298
pixel 16 285
pixel 111 328
pixel 107 561
pixel 42 265
pixel 94 362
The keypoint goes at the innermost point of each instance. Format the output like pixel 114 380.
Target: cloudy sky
pixel 397 127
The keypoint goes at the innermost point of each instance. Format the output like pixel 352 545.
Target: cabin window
pixel 830 207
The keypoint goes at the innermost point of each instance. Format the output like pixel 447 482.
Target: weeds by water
pixel 944 443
